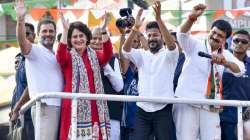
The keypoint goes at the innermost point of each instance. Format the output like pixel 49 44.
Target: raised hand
pixel 139 20
pixel 65 22
pixel 20 8
pixel 157 9
pixel 107 19
pixel 198 10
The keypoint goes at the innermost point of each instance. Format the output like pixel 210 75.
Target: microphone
pixel 202 54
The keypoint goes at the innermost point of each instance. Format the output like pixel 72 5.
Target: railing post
pixel 240 123
pixel 38 120
pixel 74 119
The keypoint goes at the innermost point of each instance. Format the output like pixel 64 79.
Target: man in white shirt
pixel 156 68
pixel 201 78
pixel 42 71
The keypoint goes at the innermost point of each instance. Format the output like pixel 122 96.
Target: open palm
pixel 157 9
pixel 138 19
pixel 65 22
pixel 20 8
pixel 107 19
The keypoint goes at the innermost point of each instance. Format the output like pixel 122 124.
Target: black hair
pixel 224 26
pixel 243 32
pixel 31 26
pixel 19 54
pixel 58 37
pixel 81 27
pixel 152 24
pixel 46 19
pixel 174 34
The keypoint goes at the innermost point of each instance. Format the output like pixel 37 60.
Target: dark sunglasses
pixel 243 41
pixel 28 33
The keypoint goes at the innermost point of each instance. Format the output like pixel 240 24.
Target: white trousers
pixel 115 129
pixel 49 121
pixel 193 123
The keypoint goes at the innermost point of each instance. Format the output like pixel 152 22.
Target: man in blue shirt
pixel 180 62
pixel 235 88
pixel 21 84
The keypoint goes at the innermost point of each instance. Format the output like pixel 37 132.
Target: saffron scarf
pixel 214 83
pixel 86 129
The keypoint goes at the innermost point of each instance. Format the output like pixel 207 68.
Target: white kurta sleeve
pixel 114 75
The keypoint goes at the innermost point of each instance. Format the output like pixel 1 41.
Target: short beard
pixel 47 45
pixel 155 46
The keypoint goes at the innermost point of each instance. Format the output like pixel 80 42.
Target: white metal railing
pixel 76 96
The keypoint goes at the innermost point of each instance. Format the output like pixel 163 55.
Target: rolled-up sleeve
pixel 114 75
pixel 229 57
pixel 135 56
pixel 34 52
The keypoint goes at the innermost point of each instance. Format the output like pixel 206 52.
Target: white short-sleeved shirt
pixel 43 73
pixel 156 74
pixel 192 82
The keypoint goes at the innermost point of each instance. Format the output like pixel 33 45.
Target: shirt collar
pixel 42 46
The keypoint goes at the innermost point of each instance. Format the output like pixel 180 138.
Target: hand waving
pixel 20 8
pixel 107 19
pixel 139 20
pixel 198 10
pixel 65 23
pixel 157 9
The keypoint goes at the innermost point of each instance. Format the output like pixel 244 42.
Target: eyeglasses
pixel 28 33
pixel 243 41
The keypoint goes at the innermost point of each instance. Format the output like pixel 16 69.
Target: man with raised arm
pixel 42 71
pixel 21 85
pixel 156 68
pixel 201 78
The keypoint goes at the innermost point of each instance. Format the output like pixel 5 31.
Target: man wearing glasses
pixel 235 88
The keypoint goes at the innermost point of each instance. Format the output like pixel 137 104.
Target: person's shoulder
pixel 247 59
pixel 35 50
pixel 37 46
pixel 227 52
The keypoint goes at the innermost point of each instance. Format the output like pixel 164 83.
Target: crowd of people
pixel 160 64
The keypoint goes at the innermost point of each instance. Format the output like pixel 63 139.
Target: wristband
pixel 192 18
pixel 104 33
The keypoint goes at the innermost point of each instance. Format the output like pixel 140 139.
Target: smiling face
pixel 96 41
pixel 240 43
pixel 78 40
pixel 216 38
pixel 78 36
pixel 47 35
pixel 155 42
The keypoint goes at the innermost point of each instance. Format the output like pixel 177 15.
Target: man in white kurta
pixel 193 121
